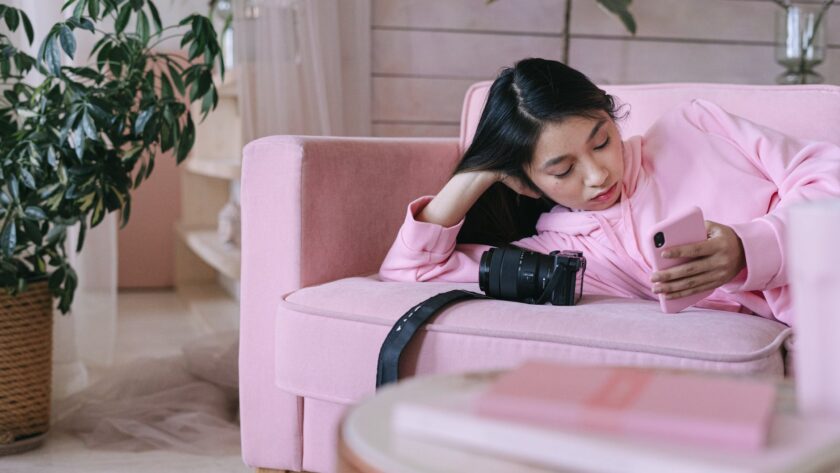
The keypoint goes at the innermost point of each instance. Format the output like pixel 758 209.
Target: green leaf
pixel 82 233
pixel 79 147
pixel 40 264
pixel 116 58
pixel 620 9
pixel 126 212
pixel 14 188
pixel 80 8
pixel 56 278
pixel 155 16
pixel 151 166
pixel 143 120
pixel 12 19
pixel 35 213
pixel 86 24
pixel 110 5
pixel 28 179
pixel 143 26
pixel 49 190
pixel 176 79
pixel 68 41
pixel 166 87
pixel 98 213
pixel 66 298
pixel 8 239
pixel 32 231
pixel 122 19
pixel 93 9
pixel 27 26
pixel 56 234
pixel 205 80
pixel 53 56
pixel 208 102
pixel 186 140
pixel 140 174
pixel 89 127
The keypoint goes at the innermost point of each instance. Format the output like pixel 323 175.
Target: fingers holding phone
pixel 714 262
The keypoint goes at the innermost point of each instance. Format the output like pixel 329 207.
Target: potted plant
pixel 73 145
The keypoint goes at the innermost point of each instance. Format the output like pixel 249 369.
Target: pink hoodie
pixel 739 173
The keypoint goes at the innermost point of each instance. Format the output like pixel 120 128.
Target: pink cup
pixel 814 275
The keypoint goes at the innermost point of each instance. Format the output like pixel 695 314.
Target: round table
pixel 367 443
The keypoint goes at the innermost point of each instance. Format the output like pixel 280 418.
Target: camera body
pixel 514 274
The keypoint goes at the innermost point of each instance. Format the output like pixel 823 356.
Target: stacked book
pixel 602 419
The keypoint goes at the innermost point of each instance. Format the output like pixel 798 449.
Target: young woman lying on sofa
pixel 548 133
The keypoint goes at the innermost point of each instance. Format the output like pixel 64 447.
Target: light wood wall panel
pixel 620 62
pixel 415 130
pixel 715 20
pixel 426 53
pixel 418 99
pixel 423 53
pixel 525 16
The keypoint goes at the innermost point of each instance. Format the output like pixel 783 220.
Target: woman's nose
pixel 596 175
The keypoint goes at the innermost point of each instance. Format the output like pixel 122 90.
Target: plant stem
pixel 567 35
pixel 811 36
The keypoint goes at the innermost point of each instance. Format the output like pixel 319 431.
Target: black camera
pixel 515 274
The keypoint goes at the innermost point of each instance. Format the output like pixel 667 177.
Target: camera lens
pixel 514 274
pixel 484 270
pixel 659 239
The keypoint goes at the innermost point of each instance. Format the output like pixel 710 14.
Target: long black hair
pixel 522 100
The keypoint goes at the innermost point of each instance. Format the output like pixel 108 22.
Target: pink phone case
pixel 681 229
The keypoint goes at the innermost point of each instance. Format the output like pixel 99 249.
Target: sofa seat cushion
pixel 328 336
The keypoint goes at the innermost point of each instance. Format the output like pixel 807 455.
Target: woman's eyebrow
pixel 558 159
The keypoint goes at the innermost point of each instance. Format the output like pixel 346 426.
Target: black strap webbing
pixel 387 370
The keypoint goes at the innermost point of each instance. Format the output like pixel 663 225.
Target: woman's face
pixel 579 163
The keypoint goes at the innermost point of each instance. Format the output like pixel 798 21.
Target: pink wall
pixel 146 246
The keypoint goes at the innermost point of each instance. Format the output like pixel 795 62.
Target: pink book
pixel 707 410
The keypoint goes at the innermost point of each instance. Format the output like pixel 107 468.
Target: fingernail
pixel 654 279
pixel 666 254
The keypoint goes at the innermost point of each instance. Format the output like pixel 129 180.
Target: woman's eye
pixel 566 173
pixel 604 144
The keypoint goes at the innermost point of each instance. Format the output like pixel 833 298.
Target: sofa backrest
pixel 804 111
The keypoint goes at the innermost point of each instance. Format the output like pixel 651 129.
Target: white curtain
pixel 304 66
pixel 84 337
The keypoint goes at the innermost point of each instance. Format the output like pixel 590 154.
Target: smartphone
pixel 681 229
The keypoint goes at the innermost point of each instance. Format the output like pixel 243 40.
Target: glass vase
pixel 800 42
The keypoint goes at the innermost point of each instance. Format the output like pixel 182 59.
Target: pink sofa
pixel 319 215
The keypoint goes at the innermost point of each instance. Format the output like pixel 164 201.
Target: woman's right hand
pixel 462 191
pixel 516 184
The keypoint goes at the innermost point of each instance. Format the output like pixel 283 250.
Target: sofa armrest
pixel 314 210
pixel 328 208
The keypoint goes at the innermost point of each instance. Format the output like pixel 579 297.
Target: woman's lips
pixel 606 195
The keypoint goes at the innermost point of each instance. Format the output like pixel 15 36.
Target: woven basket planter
pixel 25 368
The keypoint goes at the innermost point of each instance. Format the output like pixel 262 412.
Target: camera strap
pixel 403 331
pixel 553 282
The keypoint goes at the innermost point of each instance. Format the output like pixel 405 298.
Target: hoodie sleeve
pixel 801 170
pixel 426 251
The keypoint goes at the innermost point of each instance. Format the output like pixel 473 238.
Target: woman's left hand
pixel 719 259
